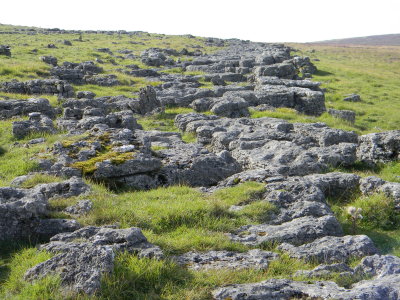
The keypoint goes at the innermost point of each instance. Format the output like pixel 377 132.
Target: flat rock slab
pixel 330 249
pixel 298 231
pixel 256 258
pixel 387 288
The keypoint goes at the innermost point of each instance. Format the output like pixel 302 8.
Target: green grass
pixel 39 178
pixel 15 287
pixel 26 65
pixel 372 72
pixel 15 159
pixel 135 278
pixel 380 220
pixel 179 218
pixel 163 121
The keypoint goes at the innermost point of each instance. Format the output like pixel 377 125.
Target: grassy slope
pixel 180 218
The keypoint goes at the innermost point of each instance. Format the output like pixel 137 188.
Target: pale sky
pixel 257 20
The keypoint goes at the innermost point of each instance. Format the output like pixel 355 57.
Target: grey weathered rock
pixel 329 249
pixel 155 57
pixel 147 100
pixel 51 60
pixel 38 87
pixel 50 227
pixel 304 65
pixel 85 95
pixel 36 141
pixel 278 289
pixel 379 266
pixel 84 114
pixel 379 147
pixel 22 210
pixel 272 80
pixel 299 231
pixel 231 107
pixel 86 255
pixel 75 72
pixel 5 50
pixel 17 108
pixel 352 98
pixel 276 145
pixel 382 283
pixel 386 288
pixel 255 258
pixel 81 208
pixel 102 80
pixel 347 115
pixel 372 184
pixel 326 270
pixel 138 165
pixel 37 123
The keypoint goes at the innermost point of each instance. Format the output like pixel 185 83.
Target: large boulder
pixel 24 213
pixel 379 147
pixel 84 256
pixel 18 108
pixel 37 123
pixel 5 50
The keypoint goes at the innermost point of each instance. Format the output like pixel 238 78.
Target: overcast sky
pixel 257 20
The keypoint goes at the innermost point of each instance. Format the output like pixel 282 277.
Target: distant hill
pixel 373 40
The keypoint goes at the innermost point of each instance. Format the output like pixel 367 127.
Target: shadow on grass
pixel 2 151
pixel 383 240
pixel 7 250
pixel 323 73
pixel 135 278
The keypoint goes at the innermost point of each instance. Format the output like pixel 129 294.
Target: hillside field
pixel 181 218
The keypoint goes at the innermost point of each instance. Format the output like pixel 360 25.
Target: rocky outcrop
pixel 373 184
pixel 156 57
pixel 19 108
pixel 274 145
pixel 382 283
pixel 37 123
pixel 132 162
pixel 51 60
pixel 5 50
pixel 299 231
pixel 75 72
pixel 24 211
pixel 101 80
pixel 379 147
pixel 84 256
pixel 38 87
pixel 347 115
pixel 329 249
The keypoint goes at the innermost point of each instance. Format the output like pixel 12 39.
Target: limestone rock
pixel 328 249
pixel 86 255
pixel 347 115
pixel 255 258
pixel 37 123
pixel 299 231
pixel 38 87
pixel 14 108
pixel 379 147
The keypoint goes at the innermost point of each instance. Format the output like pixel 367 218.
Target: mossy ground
pixel 180 218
